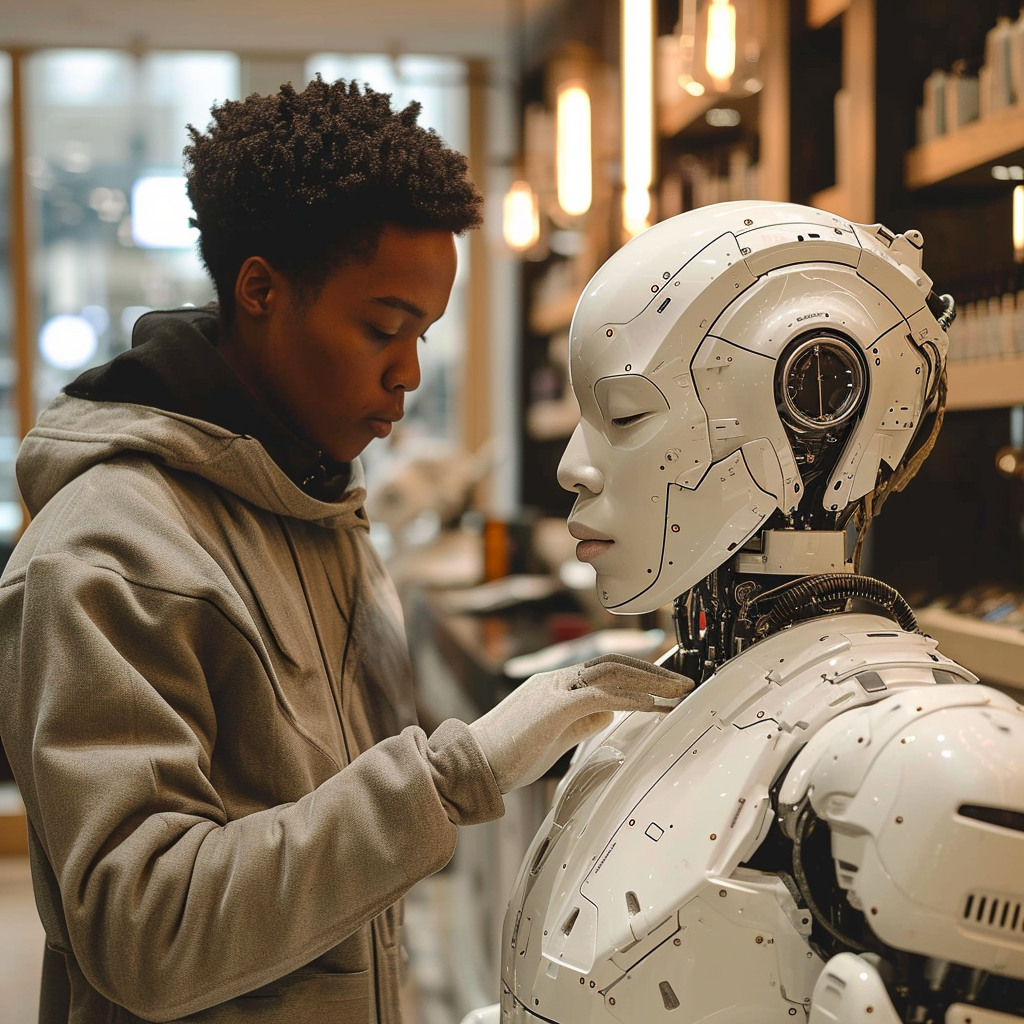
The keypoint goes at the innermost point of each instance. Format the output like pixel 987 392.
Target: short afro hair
pixel 308 179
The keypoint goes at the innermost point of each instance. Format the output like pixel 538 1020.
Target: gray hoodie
pixel 206 699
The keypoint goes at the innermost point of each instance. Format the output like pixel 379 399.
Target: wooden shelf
pixel 993 652
pixel 971 148
pixel 986 384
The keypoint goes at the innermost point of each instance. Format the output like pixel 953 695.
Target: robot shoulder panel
pixel 658 804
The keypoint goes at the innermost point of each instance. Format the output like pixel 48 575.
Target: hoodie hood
pixel 74 434
pixel 173 399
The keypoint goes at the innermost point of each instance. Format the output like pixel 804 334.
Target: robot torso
pixel 637 900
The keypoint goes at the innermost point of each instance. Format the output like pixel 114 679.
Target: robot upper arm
pixel 923 794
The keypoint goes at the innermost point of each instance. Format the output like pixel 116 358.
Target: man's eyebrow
pixel 396 303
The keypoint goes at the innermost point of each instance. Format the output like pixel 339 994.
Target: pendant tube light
pixel 520 209
pixel 1018 224
pixel 720 54
pixel 687 44
pixel 573 170
pixel 520 220
pixel 637 64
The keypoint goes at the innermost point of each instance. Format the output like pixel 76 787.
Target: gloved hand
pixel 551 712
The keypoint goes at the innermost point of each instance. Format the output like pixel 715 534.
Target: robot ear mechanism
pixel 820 383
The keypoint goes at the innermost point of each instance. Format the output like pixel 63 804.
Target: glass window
pixel 10 503
pixel 106 131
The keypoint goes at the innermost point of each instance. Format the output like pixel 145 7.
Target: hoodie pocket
pixel 326 998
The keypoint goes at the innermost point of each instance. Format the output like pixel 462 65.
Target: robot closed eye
pixel 830 828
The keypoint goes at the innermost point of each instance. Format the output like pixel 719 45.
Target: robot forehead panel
pixel 681 455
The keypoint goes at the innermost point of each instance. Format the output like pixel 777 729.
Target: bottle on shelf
pixel 990 317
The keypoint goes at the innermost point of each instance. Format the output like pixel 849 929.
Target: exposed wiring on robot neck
pixel 871 504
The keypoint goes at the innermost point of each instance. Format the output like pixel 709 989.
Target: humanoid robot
pixel 830 827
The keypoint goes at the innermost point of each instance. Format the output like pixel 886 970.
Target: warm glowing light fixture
pixel 720 55
pixel 520 221
pixel 572 149
pixel 637 112
pixel 1018 223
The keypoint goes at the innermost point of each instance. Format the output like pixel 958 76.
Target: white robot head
pixel 715 357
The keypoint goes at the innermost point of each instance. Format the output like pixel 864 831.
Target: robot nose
pixel 576 471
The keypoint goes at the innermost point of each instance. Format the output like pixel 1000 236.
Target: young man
pixel 204 688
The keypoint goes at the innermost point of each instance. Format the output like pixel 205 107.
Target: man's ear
pixel 257 287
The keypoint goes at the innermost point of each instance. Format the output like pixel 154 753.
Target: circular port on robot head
pixel 821 381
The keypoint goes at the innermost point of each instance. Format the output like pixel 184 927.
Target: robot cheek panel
pixel 721 513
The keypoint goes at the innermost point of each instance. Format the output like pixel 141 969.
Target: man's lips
pixel 381 425
pixel 591 543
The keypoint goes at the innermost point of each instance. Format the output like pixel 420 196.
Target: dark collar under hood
pixel 174 366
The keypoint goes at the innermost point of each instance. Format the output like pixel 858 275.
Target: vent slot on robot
pixel 999 912
pixel 668 997
pixel 567 925
pixel 632 904
pixel 993 816
pixel 541 854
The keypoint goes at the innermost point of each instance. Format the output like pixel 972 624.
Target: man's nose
pixel 576 471
pixel 404 373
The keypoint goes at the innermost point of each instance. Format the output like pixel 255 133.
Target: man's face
pixel 336 369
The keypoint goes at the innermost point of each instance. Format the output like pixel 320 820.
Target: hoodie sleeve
pixel 171 907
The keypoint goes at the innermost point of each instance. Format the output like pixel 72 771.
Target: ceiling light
pixel 572 149
pixel 520 220
pixel 637 111
pixel 1018 224
pixel 636 209
pixel 720 54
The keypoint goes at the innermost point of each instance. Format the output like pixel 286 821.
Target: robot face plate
pixel 695 351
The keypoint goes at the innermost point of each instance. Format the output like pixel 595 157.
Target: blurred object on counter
pixel 499 594
pixel 635 642
pixel 983 629
pixel 497 556
pixel 990 602
pixel 424 488
pixel 452 559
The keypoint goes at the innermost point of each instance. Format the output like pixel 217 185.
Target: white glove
pixel 551 712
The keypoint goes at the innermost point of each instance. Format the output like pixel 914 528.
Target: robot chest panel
pixel 739 955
